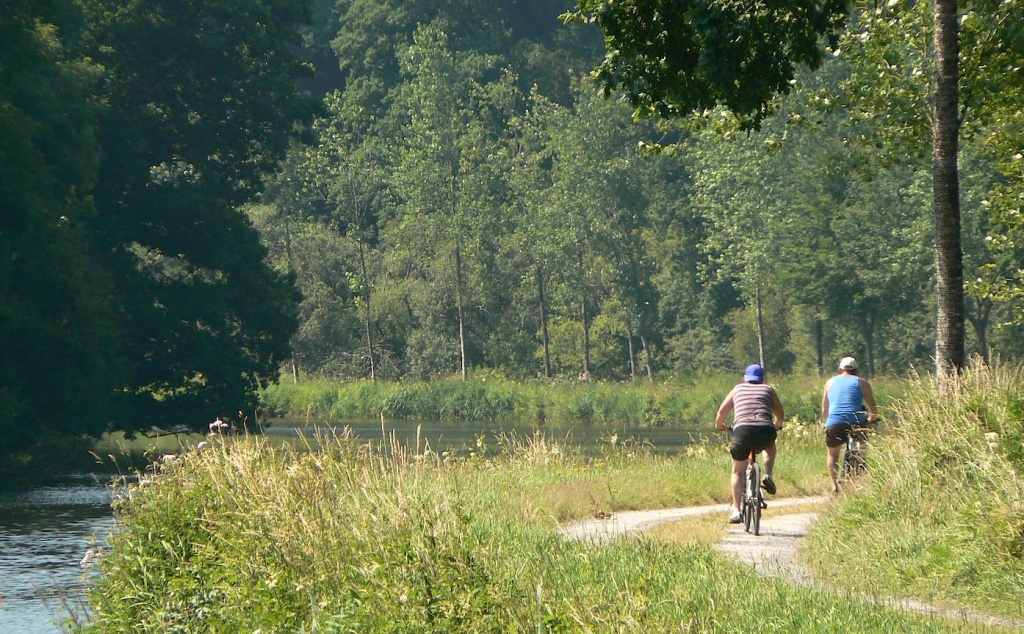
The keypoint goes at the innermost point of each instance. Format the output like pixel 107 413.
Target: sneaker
pixel 768 484
pixel 736 518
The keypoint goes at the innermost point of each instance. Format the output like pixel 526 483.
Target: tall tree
pixel 894 50
pixel 443 176
pixel 673 57
pixel 340 181
pixel 58 335
pixel 949 269
pixel 200 103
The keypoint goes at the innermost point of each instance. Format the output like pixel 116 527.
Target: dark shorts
pixel 836 435
pixel 747 437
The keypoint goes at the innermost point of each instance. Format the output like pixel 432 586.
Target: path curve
pixel 774 553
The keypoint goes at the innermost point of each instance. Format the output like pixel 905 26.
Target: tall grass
pixel 942 514
pixel 682 401
pixel 338 537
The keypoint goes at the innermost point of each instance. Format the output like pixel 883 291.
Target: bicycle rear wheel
pixel 748 506
pixel 756 500
pixel 848 467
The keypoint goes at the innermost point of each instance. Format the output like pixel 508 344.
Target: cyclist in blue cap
pixel 757 419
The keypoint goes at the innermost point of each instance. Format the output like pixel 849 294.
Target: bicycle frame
pixel 853 461
pixel 753 496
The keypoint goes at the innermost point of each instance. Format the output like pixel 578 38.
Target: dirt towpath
pixel 774 553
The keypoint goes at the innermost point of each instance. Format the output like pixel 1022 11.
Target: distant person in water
pixel 757 419
pixel 843 410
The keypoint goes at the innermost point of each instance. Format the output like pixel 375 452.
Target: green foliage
pixel 942 511
pixel 58 332
pixel 687 401
pixel 243 537
pixel 134 291
pixel 495 210
pixel 674 57
pixel 207 322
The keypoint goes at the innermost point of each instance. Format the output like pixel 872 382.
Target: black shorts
pixel 747 437
pixel 836 435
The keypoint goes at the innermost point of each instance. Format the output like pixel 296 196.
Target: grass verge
pixel 941 516
pixel 337 537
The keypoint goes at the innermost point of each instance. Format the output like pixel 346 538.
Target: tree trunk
pixel 949 332
pixel 867 323
pixel 585 316
pixel 760 327
pixel 647 358
pixel 544 323
pixel 979 320
pixel 632 355
pixel 462 315
pixel 366 302
pixel 819 341
pixel 291 269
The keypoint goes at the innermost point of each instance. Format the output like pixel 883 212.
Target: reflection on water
pixel 45 529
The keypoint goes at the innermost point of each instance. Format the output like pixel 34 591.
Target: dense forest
pixel 196 199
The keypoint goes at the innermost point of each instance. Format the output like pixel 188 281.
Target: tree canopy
pixel 136 290
pixel 181 223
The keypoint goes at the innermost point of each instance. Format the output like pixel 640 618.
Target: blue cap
pixel 754 374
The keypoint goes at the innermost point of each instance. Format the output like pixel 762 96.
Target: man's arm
pixel 824 400
pixel 780 415
pixel 869 400
pixel 724 409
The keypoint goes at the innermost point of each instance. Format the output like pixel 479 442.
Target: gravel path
pixel 774 553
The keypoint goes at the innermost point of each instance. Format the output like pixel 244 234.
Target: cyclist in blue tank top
pixel 842 407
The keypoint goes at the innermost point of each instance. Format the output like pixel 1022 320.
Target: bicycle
pixel 854 460
pixel 853 456
pixel 753 496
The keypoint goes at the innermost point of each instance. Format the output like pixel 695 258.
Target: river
pixel 47 526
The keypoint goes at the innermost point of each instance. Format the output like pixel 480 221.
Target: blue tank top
pixel 845 401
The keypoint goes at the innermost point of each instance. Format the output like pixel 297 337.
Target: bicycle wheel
pixel 756 500
pixel 859 464
pixel 848 468
pixel 748 506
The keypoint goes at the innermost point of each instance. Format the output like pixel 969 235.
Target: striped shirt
pixel 752 404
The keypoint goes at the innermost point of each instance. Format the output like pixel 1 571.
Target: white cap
pixel 848 363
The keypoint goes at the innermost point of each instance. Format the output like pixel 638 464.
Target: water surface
pixel 46 527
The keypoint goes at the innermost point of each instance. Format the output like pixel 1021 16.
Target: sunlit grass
pixel 684 401
pixel 941 516
pixel 339 537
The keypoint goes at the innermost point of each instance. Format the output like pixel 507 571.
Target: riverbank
pixel 686 401
pixel 342 535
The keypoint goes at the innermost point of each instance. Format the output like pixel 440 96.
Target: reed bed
pixel 339 536
pixel 941 516
pixel 678 401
